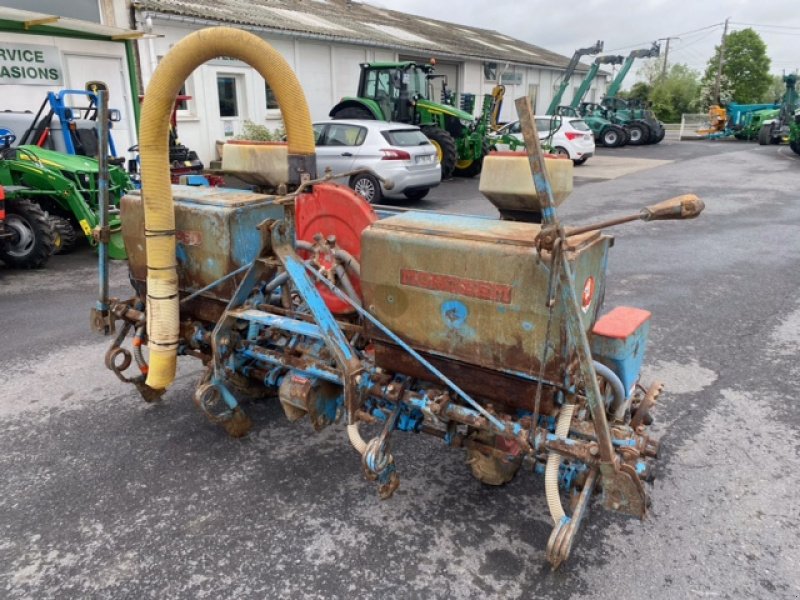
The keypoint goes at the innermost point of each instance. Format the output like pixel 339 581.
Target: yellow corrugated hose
pixel 159 213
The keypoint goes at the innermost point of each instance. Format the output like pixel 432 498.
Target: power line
pixel 758 25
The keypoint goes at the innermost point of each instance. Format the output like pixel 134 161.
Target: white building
pixel 63 47
pixel 323 40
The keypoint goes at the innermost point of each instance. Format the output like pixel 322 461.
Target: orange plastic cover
pixel 621 322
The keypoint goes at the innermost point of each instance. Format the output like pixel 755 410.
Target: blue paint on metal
pixel 454 314
pixel 623 356
pixel 278 322
pixel 641 467
pixel 327 323
pixel 309 371
pixel 436 372
pixel 224 393
pixel 527 326
pixel 180 253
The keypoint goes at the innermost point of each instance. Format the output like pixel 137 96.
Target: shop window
pixel 226 90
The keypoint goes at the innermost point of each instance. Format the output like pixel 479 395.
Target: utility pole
pixel 721 60
pixel 666 54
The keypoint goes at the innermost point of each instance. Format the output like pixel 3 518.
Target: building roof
pixel 363 24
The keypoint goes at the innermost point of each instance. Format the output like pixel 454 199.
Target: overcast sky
pixel 563 26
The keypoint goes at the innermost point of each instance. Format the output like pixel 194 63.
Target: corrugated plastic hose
pixel 553 462
pixel 355 438
pixel 159 213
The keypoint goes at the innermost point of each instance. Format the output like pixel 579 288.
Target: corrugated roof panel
pixel 402 34
pixel 355 22
pixel 307 19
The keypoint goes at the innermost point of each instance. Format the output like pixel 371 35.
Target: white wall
pixel 81 61
pixel 327 71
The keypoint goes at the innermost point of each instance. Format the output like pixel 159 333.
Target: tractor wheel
pixel 33 242
pixel 660 135
pixel 354 112
pixel 470 168
pixel 64 235
pixel 639 133
pixel 765 134
pixel 366 186
pixel 445 148
pixel 795 146
pixel 611 137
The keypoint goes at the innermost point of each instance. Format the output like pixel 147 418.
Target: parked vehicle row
pixel 565 136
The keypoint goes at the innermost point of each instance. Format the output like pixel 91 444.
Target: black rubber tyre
pixel 474 167
pixel 445 147
pixel 795 146
pixel 64 235
pixel 764 134
pixel 639 133
pixel 417 195
pixel 561 151
pixel 354 112
pixel 33 244
pixel 611 137
pixel 660 135
pixel 578 162
pixel 366 186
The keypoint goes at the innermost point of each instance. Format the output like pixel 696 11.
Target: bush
pixel 260 133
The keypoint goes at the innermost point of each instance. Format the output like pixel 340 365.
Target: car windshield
pixel 579 124
pixel 405 137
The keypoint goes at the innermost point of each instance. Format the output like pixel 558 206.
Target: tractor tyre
pixel 445 148
pixel 33 243
pixel 765 134
pixel 470 168
pixel 354 112
pixel 662 132
pixel 639 133
pixel 612 137
pixel 64 235
pixel 795 146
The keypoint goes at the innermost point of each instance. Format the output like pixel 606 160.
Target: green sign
pixel 29 64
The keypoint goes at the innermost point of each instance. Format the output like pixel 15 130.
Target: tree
pixel 775 90
pixel 639 91
pixel 745 67
pixel 675 93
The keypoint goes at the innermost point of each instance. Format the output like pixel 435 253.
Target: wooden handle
pixel 687 206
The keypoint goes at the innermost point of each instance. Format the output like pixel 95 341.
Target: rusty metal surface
pixel 216 233
pixel 481 301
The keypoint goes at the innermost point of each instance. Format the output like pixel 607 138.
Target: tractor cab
pixel 394 87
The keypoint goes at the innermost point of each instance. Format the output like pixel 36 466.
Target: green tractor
pixel 776 130
pixel 65 189
pixel 401 91
pixel 605 132
pixel 639 122
pixel 794 133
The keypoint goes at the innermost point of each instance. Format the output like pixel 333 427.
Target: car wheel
pixel 561 151
pixel 417 195
pixel 366 186
pixel 578 162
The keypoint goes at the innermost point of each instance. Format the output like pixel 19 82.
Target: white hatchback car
pixel 567 136
pixel 395 151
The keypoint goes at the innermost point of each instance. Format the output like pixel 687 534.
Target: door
pixel 81 68
pixel 231 106
pixel 338 145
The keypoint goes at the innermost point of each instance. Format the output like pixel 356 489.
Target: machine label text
pixel 472 288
